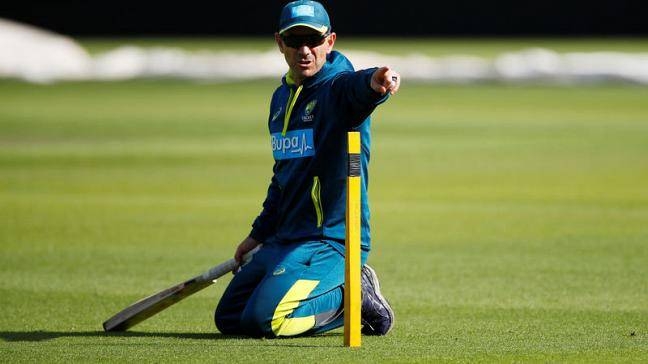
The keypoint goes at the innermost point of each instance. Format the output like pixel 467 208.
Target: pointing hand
pixel 384 80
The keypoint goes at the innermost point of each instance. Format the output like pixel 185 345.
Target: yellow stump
pixel 352 291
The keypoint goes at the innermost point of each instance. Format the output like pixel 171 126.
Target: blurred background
pixel 380 17
pixel 508 176
pixel 468 47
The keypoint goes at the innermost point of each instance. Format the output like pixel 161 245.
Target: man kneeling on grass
pixel 294 285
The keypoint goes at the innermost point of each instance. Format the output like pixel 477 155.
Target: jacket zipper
pixel 292 99
pixel 317 202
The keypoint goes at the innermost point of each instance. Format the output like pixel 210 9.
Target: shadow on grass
pixel 35 336
pixel 49 335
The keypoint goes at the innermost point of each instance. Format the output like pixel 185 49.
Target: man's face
pixel 304 59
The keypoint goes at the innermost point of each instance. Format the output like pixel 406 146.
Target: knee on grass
pixel 257 321
pixel 279 322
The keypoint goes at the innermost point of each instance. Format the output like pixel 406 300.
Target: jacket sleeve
pixel 355 96
pixel 265 224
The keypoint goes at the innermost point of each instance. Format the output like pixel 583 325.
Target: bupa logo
pixel 295 144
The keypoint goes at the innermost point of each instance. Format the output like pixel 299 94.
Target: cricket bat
pixel 151 305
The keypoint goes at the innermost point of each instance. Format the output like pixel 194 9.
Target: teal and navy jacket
pixel 308 126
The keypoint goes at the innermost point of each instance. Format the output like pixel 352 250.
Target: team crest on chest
pixel 308 111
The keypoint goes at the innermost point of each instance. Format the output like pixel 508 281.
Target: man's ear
pixel 330 41
pixel 280 42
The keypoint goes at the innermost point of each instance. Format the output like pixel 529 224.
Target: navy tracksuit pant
pixel 286 290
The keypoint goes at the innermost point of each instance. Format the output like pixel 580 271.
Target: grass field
pixel 510 223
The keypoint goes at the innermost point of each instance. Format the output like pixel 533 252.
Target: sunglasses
pixel 310 40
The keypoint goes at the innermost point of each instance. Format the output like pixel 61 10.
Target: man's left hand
pixel 384 80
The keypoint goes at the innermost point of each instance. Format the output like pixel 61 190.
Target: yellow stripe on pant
pixel 284 326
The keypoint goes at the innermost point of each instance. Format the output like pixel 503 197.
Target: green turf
pixel 510 223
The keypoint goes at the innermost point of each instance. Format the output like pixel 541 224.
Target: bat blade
pixel 151 305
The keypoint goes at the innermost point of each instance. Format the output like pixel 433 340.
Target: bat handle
pixel 228 266
pixel 248 256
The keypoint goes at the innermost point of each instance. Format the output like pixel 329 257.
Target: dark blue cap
pixel 304 13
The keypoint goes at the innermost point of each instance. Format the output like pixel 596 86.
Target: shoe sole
pixel 374 281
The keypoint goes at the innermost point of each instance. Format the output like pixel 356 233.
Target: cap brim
pixel 319 28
